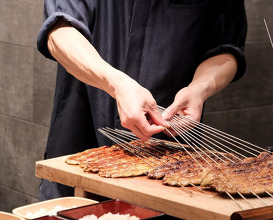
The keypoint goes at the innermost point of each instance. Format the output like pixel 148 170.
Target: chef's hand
pixel 138 110
pixel 210 77
pixel 188 103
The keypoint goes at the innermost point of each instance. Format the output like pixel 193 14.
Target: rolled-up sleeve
pixel 79 14
pixel 229 33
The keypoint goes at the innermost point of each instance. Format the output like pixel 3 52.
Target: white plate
pixel 50 207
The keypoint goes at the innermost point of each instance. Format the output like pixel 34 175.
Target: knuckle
pixel 128 121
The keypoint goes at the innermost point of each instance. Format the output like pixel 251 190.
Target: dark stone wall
pixel 244 109
pixel 26 94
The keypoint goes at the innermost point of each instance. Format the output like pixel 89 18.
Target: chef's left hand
pixel 188 103
pixel 210 77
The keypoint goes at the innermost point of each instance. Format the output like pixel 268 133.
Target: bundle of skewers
pixel 209 159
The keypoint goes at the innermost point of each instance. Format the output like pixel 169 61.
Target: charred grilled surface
pixel 117 162
pixel 252 174
pixel 129 168
pixel 192 174
pixel 101 159
pixel 160 171
pixel 90 153
pixel 126 164
pixel 188 171
pixel 187 167
pixel 155 159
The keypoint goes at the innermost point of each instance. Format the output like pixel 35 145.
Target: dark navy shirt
pixel 159 43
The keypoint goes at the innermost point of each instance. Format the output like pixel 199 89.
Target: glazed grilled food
pixel 180 166
pixel 191 169
pixel 116 162
pixel 254 174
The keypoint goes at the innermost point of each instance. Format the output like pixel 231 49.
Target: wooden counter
pixel 174 201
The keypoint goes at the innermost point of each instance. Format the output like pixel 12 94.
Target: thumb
pixel 169 112
pixel 157 118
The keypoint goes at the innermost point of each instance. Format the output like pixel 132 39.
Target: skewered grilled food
pixel 117 162
pixel 188 170
pixel 89 154
pixel 178 167
pixel 254 174
pixel 187 174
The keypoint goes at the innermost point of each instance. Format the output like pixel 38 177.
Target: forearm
pixel 79 58
pixel 213 75
pixel 75 53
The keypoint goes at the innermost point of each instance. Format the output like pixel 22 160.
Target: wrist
pixel 117 82
pixel 202 90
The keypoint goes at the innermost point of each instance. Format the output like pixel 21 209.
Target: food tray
pixel 50 207
pixel 9 216
pixel 114 207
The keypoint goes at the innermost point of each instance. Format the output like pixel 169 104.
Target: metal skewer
pixel 127 148
pixel 212 134
pixel 186 190
pixel 212 141
pixel 227 138
pixel 203 142
pixel 188 141
pixel 157 148
pixel 268 193
pixel 245 199
pixel 200 189
pixel 230 196
pixel 216 134
pixel 258 197
pixel 268 33
pixel 145 155
pixel 184 148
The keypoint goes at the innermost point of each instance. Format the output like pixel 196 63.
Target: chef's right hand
pixel 138 110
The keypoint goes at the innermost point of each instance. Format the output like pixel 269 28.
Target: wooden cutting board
pixel 174 201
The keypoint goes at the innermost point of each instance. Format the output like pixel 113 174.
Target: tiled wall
pixel 244 109
pixel 26 92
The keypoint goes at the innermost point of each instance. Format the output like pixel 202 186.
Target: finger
pixel 139 134
pixel 157 118
pixel 148 129
pixel 171 111
pixel 170 132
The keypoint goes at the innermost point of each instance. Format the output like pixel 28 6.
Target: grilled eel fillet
pixel 109 162
pixel 116 162
pixel 252 174
pixel 189 171
pixel 80 157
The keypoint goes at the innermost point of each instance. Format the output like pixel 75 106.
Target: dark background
pixel 27 82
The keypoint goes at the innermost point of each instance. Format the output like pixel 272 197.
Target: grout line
pixel 255 42
pixel 237 110
pixel 19 45
pixel 22 120
pixel 19 192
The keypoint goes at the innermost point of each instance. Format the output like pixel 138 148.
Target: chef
pixel 119 59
